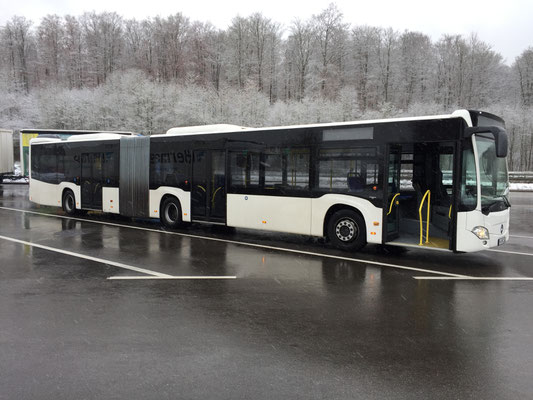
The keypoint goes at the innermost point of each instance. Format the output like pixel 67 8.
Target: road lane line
pixel 523 237
pixel 115 278
pixel 473 278
pixel 511 252
pixel 90 258
pixel 254 245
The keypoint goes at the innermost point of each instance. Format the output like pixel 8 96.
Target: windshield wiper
pixel 499 204
pixel 506 201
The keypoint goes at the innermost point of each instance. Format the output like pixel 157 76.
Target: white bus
pixel 437 182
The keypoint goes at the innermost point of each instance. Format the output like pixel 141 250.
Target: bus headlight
pixel 481 232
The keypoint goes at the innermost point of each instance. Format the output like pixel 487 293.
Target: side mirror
pixel 502 143
pixel 500 137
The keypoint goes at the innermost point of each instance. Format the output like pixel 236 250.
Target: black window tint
pixel 298 168
pixel 244 167
pixel 272 162
pixel 48 164
pixel 468 179
pixel 71 163
pixel 111 165
pixel 60 154
pixel 35 162
pixel 169 165
pixel 347 170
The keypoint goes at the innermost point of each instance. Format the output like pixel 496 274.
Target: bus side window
pixel 71 163
pixel 35 162
pixel 110 173
pixel 60 152
pixel 273 162
pixel 169 165
pixel 244 167
pixel 468 180
pixel 48 162
pixel 298 168
pixel 347 170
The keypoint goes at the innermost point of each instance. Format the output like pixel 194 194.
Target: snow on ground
pixel 18 180
pixel 521 187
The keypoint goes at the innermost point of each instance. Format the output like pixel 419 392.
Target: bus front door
pixel 91 181
pixel 208 194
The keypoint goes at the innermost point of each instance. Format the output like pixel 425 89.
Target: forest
pixel 102 71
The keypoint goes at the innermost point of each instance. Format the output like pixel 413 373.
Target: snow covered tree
pixel 523 68
pixel 330 38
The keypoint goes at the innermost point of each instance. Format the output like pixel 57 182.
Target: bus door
pixel 442 194
pixel 208 194
pixel 391 206
pixel 91 180
pixel 427 201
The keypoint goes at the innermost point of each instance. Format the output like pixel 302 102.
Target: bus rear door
pixel 208 196
pixel 91 181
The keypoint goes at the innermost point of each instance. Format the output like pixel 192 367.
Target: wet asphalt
pixel 299 321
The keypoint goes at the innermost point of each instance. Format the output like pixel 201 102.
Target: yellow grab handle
pixel 428 195
pixel 392 202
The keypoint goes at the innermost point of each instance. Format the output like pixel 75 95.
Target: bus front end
pixel 484 208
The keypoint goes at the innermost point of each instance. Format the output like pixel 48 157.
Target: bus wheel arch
pixel 68 201
pixel 345 227
pixel 170 211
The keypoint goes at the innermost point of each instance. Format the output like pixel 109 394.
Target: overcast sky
pixel 505 24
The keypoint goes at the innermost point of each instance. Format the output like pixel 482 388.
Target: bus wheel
pixel 171 212
pixel 346 230
pixel 69 203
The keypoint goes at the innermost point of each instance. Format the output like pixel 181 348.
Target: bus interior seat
pixel 356 182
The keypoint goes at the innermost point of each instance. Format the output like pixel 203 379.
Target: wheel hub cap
pixel 346 230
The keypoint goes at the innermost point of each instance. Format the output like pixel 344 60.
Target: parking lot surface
pixel 105 307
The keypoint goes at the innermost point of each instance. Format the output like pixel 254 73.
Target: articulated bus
pixel 437 182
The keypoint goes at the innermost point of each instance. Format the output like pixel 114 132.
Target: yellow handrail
pixel 213 197
pixel 428 195
pixel 392 202
pixel 450 212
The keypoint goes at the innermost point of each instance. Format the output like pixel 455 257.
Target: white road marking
pixel 115 278
pixel 523 237
pixel 473 278
pixel 259 246
pixel 90 258
pixel 511 252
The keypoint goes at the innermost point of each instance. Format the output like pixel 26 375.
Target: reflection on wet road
pixel 301 320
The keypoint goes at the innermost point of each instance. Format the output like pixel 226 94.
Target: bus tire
pixel 69 202
pixel 346 230
pixel 171 212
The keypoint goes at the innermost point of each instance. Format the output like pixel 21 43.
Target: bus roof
pixel 71 132
pixel 215 128
pixel 211 129
pixel 466 115
pixel 76 138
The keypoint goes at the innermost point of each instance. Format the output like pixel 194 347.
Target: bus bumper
pixel 496 224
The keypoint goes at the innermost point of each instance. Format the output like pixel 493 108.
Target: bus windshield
pixel 493 175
